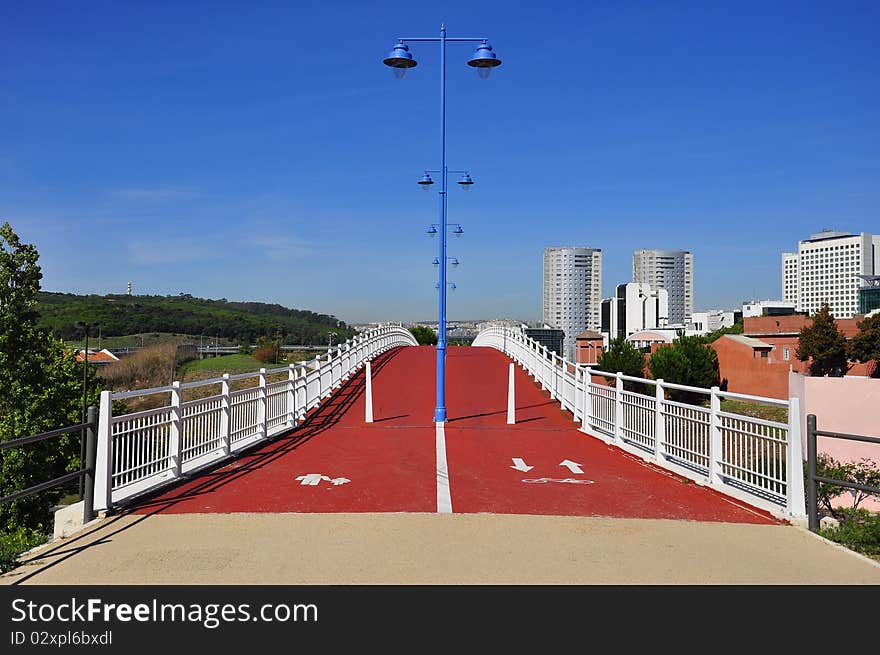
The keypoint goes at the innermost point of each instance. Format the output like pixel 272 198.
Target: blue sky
pixel 261 151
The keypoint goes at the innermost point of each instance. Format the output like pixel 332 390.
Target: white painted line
pixel 444 498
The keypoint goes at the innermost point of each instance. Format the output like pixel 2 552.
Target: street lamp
pixel 400 60
pixel 82 442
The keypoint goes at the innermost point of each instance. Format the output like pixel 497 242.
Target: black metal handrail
pixel 86 472
pixel 813 478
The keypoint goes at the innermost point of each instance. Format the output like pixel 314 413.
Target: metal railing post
pixel 659 420
pixel 104 455
pixel 225 416
pixel 588 400
pixel 263 406
pixel 175 443
pixel 302 392
pixel 715 445
pixel 618 406
pixel 89 479
pixel 812 485
pixel 794 458
pixel 291 396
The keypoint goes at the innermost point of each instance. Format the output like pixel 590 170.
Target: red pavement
pixel 390 465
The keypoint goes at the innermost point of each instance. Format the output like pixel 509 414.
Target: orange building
pixel 588 347
pixel 758 361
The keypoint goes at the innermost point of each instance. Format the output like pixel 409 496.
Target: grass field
pixel 219 365
pixel 755 410
pixel 145 339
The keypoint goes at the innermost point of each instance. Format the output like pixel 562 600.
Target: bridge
pixel 259 464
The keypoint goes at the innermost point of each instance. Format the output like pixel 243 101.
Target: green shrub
pixel 16 542
pixel 424 335
pixel 859 530
pixel 686 361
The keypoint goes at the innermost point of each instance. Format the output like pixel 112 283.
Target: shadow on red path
pixel 390 465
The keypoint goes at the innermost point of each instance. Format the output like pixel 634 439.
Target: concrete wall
pixel 848 404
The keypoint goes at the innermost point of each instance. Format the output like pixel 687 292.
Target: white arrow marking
pixel 520 465
pixel 338 481
pixel 312 479
pixel 572 466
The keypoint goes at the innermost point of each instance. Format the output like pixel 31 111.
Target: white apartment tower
pixel 634 307
pixel 572 292
pixel 672 270
pixel 827 268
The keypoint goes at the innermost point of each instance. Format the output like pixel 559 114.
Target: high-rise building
pixel 634 307
pixel 672 270
pixel 830 267
pixel 572 292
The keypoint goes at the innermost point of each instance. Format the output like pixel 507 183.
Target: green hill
pixel 242 322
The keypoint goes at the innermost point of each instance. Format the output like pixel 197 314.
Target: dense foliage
pixel 40 390
pixel 865 346
pixel 242 322
pixel 688 361
pixel 623 357
pixel 823 344
pixel 424 335
pixel 859 529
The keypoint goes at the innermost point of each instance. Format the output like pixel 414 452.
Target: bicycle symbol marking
pixel 564 480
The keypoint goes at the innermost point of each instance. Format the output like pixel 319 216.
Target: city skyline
pixel 225 164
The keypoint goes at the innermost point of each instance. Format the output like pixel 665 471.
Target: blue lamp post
pixel 400 60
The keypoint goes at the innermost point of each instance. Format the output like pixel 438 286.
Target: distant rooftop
pixel 749 341
pixel 829 234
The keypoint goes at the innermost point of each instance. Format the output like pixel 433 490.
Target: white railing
pixel 752 459
pixel 143 450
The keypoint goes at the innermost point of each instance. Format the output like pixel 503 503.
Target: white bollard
pixel 369 416
pixel 511 402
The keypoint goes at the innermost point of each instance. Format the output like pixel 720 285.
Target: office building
pixel 634 307
pixel 672 270
pixel 869 294
pixel 830 267
pixel 713 320
pixel 572 292
pixel 551 338
pixel 767 308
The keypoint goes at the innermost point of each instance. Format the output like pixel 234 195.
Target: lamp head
pixel 458 231
pixel 432 231
pixel 465 182
pixel 484 60
pixel 436 262
pixel 399 60
pixel 453 261
pixel 426 182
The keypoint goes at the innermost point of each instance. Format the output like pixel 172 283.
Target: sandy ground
pixel 303 549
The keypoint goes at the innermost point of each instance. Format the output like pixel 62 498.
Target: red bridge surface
pixel 391 465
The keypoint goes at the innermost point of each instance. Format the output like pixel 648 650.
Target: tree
pixel 40 390
pixel 424 335
pixel 736 328
pixel 823 344
pixel 865 346
pixel 688 361
pixel 623 357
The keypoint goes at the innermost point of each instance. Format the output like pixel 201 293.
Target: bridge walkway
pixel 335 462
